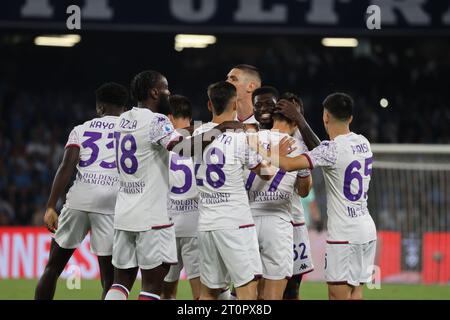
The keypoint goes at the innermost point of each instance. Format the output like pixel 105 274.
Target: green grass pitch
pixel 91 290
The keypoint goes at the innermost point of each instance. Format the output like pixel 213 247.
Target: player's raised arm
pixel 60 182
pixel 290 111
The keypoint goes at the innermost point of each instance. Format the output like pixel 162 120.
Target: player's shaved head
pixel 339 105
pixel 251 72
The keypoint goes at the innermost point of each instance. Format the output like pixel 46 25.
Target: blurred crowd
pixel 43 98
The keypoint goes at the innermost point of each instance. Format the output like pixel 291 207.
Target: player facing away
pixel 246 79
pixel 227 236
pixel 303 262
pixel 90 202
pixel 346 160
pixel 183 207
pixel 272 201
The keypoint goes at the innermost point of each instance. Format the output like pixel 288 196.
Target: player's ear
pixel 170 118
pixel 209 106
pixel 154 93
pixel 350 120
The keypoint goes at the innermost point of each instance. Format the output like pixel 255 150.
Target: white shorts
pixel 275 246
pixel 347 263
pixel 303 262
pixel 229 256
pixel 188 256
pixel 146 249
pixel 74 225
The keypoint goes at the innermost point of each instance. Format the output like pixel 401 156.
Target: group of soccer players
pixel 221 199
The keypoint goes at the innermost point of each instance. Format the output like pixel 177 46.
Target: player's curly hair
pixel 143 82
pixel 113 94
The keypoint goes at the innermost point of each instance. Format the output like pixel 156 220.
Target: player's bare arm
pixel 60 182
pixel 289 110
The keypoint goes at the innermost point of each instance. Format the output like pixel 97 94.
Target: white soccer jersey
pixel 272 197
pixel 297 211
pixel 223 200
pixel 96 184
pixel 347 165
pixel 249 120
pixel 183 198
pixel 141 139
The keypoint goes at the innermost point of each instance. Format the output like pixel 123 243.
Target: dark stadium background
pixel 45 91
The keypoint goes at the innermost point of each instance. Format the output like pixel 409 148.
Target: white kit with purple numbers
pixel 347 166
pixel 223 200
pixel 140 140
pixel 183 199
pixel 272 197
pixel 96 184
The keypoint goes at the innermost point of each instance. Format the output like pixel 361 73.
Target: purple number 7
pixel 273 186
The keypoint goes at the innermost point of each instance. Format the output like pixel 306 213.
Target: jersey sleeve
pixel 162 131
pixel 324 155
pixel 74 139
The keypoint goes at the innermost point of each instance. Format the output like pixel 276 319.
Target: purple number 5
pixel 175 166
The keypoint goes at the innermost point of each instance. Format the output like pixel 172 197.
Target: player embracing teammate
pixel 346 160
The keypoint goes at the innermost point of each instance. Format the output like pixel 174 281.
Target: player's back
pixel 347 184
pixel 183 198
pixel 143 172
pixel 223 199
pixel 272 197
pixel 95 186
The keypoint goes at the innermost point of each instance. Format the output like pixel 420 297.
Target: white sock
pixel 117 292
pixel 143 295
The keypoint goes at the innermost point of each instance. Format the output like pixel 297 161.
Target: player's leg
pixel 102 239
pixel 190 257
pixel 339 291
pixel 260 289
pixel 169 290
pixel 45 289
pixel 106 273
pixel 292 291
pixel 156 252
pixel 357 293
pixel 247 291
pixel 213 273
pixel 125 265
pixel 170 284
pixel 72 229
pixel 274 289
